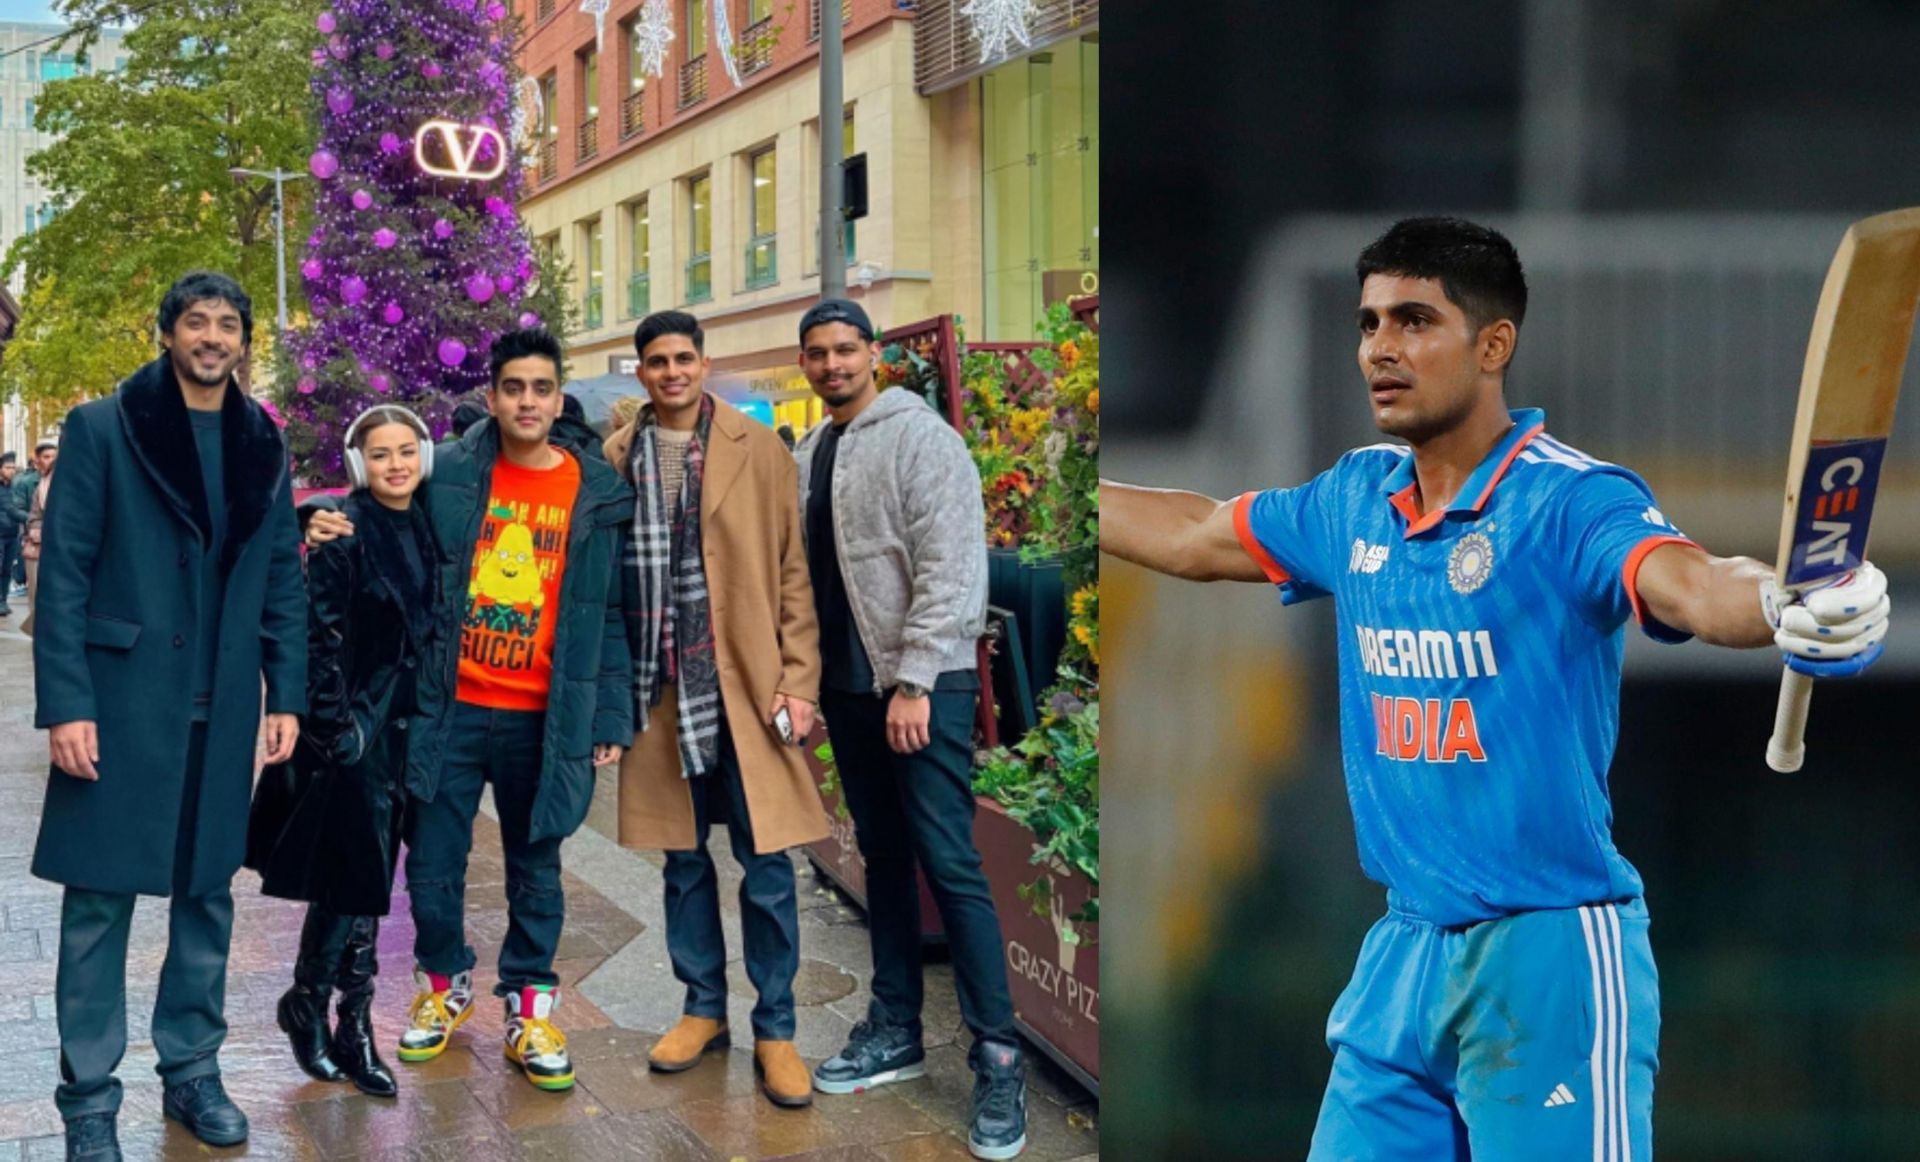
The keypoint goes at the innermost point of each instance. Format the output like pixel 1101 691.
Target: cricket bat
pixel 1848 388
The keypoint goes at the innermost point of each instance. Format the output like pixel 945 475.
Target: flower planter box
pixel 1055 985
pixel 838 856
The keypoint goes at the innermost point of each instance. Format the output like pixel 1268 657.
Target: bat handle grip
pixel 1787 748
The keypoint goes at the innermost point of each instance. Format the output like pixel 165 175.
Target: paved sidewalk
pixel 470 1105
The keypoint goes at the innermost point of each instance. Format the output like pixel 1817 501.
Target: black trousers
pixel 918 808
pixel 769 908
pixel 90 990
pixel 501 747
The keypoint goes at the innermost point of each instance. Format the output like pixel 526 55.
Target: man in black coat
pixel 10 528
pixel 169 587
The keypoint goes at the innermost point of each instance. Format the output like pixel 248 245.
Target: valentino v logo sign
pixel 457 149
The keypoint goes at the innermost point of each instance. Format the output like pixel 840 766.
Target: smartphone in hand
pixel 783 722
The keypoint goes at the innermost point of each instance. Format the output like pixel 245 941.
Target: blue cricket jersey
pixel 1480 652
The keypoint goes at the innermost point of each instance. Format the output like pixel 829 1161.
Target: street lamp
pixel 279 177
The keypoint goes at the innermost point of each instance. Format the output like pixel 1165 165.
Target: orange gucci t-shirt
pixel 513 596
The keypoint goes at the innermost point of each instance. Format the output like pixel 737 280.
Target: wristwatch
pixel 913 690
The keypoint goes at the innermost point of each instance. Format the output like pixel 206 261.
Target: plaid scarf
pixel 676 625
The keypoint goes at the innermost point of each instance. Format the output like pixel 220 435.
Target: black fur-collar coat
pixel 123 549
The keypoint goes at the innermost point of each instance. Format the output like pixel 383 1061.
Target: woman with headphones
pixel 325 826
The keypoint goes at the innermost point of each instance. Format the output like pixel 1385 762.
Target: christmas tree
pixel 417 260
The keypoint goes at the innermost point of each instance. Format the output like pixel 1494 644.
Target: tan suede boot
pixel 783 1076
pixel 686 1043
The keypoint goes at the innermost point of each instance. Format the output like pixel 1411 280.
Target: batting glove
pixel 1832 630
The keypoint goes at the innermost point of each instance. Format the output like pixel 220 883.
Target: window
pixel 587 145
pixel 29 228
pixel 28 123
pixel 846 151
pixel 640 262
pixel 58 66
pixel 758 10
pixel 762 265
pixel 697 28
pixel 632 107
pixel 593 301
pixel 700 238
pixel 549 130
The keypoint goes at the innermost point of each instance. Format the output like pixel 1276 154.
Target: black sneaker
pixel 201 1105
pixel 91 1138
pixel 999 1100
pixel 875 1055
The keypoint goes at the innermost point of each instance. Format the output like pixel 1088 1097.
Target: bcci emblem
pixel 1470 563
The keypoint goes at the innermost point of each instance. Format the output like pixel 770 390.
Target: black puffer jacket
pixel 325 826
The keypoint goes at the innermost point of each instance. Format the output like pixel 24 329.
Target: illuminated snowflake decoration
pixel 995 22
pixel 652 33
pixel 598 10
pixel 723 40
pixel 527 112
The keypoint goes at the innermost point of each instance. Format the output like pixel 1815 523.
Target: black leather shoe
pixel 203 1107
pixel 91 1138
pixel 354 1049
pixel 303 1018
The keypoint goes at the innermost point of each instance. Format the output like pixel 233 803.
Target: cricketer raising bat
pixel 1848 388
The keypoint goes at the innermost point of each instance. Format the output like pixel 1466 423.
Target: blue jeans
pixel 769 910
pixel 918 809
pixel 484 746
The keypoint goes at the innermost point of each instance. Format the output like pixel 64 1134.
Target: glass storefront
pixel 1040 119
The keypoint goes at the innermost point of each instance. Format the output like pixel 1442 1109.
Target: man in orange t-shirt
pixel 526 685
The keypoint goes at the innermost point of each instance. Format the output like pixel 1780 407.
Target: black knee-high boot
pixel 354 1047
pixel 303 1008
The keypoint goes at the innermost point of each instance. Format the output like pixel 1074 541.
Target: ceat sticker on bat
pixel 1836 506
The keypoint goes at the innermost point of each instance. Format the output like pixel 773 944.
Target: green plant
pixel 830 780
pixel 1049 783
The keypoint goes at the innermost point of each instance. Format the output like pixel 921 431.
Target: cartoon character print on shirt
pixel 506 598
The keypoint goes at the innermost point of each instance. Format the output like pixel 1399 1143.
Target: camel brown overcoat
pixel 765 636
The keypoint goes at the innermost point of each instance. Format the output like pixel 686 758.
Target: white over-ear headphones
pixel 389 413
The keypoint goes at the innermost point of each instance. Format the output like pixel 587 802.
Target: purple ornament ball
pixel 393 315
pixel 496 13
pixel 307 384
pixel 337 45
pixel 326 22
pixel 529 319
pixel 442 229
pixel 353 288
pixel 384 50
pixel 380 383
pixel 312 268
pixel 452 352
pixel 385 238
pixel 430 70
pixel 340 102
pixel 323 165
pixel 480 288
pixel 524 268
pixel 506 283
pixel 362 200
pixel 499 208
pixel 390 144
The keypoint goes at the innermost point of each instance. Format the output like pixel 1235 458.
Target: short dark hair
pixel 1475 265
pixel 668 323
pixel 7 458
pixel 520 344
pixel 200 286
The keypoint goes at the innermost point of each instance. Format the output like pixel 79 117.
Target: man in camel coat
pixel 726 677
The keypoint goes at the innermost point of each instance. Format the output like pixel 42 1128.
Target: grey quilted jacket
pixel 910 529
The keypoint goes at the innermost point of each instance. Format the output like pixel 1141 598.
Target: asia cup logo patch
pixel 1470 563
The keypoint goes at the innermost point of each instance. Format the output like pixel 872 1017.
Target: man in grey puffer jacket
pixel 896 543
